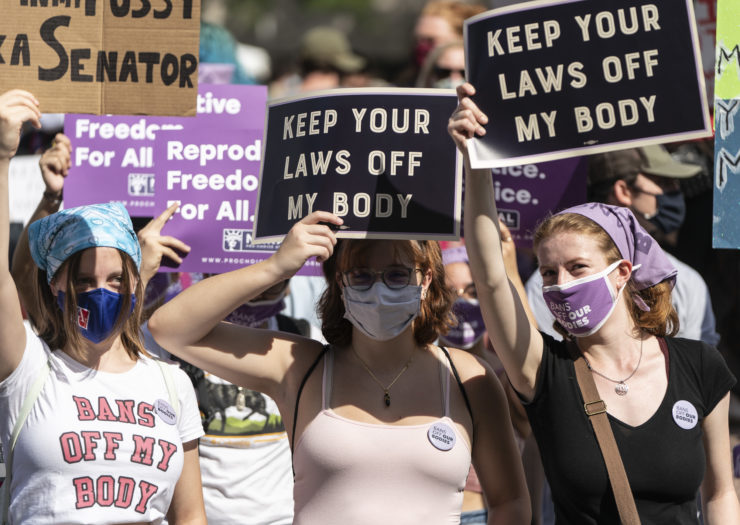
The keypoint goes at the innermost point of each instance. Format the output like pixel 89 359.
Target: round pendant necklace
pixel 386 389
pixel 621 387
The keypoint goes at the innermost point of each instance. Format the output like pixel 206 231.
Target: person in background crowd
pixel 470 334
pixel 665 397
pixel 367 448
pixel 85 388
pixel 217 46
pixel 325 58
pixel 646 181
pixel 444 67
pixel 440 22
pixel 693 245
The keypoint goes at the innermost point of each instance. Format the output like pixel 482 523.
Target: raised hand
pixel 55 164
pixel 16 107
pixel 467 120
pixel 154 245
pixel 307 238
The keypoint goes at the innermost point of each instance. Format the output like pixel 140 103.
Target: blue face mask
pixel 97 312
pixel 671 211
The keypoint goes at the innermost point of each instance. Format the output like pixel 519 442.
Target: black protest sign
pixel 566 78
pixel 380 159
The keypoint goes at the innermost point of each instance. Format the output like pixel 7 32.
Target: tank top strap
pixel 327 380
pixel 444 380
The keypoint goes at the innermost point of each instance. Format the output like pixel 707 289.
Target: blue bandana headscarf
pixel 54 238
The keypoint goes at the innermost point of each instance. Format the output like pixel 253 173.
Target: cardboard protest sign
pixel 726 223
pixel 113 156
pixel 380 159
pixel 526 194
pixel 89 56
pixel 575 77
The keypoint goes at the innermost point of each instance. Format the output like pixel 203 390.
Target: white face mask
pixel 380 312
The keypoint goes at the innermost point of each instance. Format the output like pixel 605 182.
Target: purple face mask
pixel 255 313
pixel 470 327
pixel 582 306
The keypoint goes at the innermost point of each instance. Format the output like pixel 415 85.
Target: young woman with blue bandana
pixel 93 429
pixel 608 284
pixel 383 424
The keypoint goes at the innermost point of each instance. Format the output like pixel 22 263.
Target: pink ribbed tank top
pixel 349 472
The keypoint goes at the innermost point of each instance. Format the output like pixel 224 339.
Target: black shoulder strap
pixel 459 383
pixel 298 395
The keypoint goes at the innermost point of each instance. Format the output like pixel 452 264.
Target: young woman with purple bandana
pixel 608 283
pixel 93 429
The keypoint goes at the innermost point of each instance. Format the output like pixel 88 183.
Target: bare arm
pixel 190 326
pixel 495 453
pixel 54 165
pixel 508 249
pixel 187 506
pixel 517 342
pixel 16 107
pixel 719 499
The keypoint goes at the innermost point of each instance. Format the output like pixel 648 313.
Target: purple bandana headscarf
pixel 633 242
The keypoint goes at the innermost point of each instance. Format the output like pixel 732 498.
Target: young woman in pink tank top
pixel 382 431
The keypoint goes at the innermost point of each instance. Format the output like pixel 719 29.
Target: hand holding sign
pixel 307 238
pixel 155 246
pixel 16 107
pixel 571 77
pixel 376 158
pixel 467 121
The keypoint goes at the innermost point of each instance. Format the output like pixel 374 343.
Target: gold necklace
pixel 386 389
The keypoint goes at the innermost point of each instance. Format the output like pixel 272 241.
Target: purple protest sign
pixel 214 174
pixel 113 157
pixel 526 194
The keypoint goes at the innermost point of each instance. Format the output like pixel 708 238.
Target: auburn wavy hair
pixel 435 316
pixel 58 328
pixel 661 320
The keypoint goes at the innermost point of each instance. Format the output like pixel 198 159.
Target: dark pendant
pixel 387 399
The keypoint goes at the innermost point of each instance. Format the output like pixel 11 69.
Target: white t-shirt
pixel 245 461
pixel 97 447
